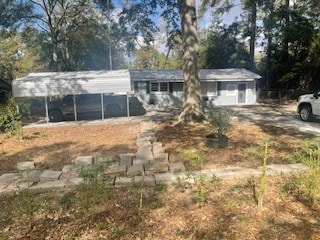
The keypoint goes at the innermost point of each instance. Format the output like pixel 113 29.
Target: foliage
pixel 306 187
pixel 18 55
pixel 31 107
pixel 13 12
pixel 200 194
pixel 203 186
pixel 218 122
pixel 10 119
pixel 195 158
pixel 149 58
pixel 222 49
pixel 93 189
pixel 26 204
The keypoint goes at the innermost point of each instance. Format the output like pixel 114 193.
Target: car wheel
pixel 55 116
pixel 306 113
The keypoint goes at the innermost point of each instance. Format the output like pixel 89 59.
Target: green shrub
pixel 31 108
pixel 218 122
pixel 10 119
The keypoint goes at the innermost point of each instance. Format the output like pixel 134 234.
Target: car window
pixel 88 97
pixel 68 98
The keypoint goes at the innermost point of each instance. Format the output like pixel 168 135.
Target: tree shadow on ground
pixel 55 156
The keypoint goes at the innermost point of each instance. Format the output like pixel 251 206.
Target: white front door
pixel 242 93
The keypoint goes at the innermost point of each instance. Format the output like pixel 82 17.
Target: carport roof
pixel 65 83
pixel 231 74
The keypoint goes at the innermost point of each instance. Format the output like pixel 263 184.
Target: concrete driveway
pixel 282 115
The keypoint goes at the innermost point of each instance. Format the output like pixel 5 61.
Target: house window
pixel 163 87
pixel 154 86
pixel 209 88
pixel 159 87
pixel 231 90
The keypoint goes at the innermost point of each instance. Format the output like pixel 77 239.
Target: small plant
pixel 25 205
pixel 141 194
pixel 313 175
pixel 91 174
pixel 195 158
pixel 200 194
pixel 204 185
pixel 255 151
pixel 93 190
pixel 115 232
pixel 67 200
pixel 218 123
pixel 263 179
pixel 307 187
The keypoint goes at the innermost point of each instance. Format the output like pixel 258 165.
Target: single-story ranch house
pixel 164 88
pixel 159 88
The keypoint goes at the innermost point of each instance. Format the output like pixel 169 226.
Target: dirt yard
pixel 246 144
pixel 54 147
pixel 207 209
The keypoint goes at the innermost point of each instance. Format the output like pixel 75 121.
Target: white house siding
pixel 214 94
pixel 172 98
pixel 225 97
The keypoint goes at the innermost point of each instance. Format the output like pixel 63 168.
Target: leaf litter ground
pixel 206 209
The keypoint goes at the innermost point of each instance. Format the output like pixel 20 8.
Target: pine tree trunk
pixel 253 20
pixel 192 105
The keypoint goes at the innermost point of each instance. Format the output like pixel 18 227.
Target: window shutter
pixel 219 88
pixel 170 87
pixel 136 86
pixel 148 87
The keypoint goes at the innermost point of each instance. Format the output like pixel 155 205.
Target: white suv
pixel 308 106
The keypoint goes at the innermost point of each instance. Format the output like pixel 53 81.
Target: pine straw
pixel 54 147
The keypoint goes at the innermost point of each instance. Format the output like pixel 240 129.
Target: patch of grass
pixel 156 204
pixel 203 185
pixel 115 232
pixel 7 210
pixel 24 204
pixel 194 158
pixel 230 204
pixel 67 200
pixel 255 151
pixel 93 190
pixel 161 187
pixel 306 187
pixel 239 191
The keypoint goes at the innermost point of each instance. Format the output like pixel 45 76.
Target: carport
pixel 50 84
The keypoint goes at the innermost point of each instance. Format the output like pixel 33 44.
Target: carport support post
pixel 128 105
pixel 47 111
pixel 75 108
pixel 102 107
